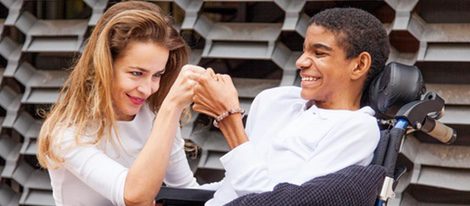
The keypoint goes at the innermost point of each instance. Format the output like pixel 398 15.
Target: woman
pixel 102 143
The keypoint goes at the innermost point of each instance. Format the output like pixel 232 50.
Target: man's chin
pixel 305 95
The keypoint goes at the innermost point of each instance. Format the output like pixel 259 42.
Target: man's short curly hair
pixel 357 31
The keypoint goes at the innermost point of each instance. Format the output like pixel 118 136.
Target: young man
pixel 295 134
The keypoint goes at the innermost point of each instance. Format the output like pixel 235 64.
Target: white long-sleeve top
pixel 95 174
pixel 289 142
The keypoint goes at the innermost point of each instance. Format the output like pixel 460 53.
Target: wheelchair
pixel 402 105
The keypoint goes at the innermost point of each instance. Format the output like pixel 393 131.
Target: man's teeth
pixel 310 78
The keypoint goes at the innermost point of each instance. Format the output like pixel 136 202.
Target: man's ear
pixel 363 62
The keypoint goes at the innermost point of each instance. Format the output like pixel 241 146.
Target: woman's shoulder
pixel 71 136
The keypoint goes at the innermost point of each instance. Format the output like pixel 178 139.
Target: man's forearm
pixel 233 131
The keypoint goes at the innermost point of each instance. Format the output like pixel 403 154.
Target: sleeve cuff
pixel 244 154
pixel 120 189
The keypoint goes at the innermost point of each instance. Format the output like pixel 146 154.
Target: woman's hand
pixel 215 94
pixel 181 93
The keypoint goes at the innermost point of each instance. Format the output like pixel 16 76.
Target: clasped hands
pixel 212 94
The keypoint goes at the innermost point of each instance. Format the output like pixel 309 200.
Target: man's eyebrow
pixel 321 46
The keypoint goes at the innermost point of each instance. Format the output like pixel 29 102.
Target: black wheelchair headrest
pixel 395 86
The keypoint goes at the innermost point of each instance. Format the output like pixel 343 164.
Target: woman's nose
pixel 145 89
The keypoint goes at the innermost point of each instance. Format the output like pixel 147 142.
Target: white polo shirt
pixel 291 143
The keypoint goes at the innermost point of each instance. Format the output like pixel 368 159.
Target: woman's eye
pixel 157 75
pixel 137 74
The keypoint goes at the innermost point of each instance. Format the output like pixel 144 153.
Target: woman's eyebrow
pixel 139 68
pixel 161 71
pixel 147 70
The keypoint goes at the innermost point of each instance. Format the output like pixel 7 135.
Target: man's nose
pixel 303 62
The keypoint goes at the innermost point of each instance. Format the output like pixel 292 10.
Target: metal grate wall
pixel 257 43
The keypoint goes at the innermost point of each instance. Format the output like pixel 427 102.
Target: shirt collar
pixel 310 106
pixel 323 113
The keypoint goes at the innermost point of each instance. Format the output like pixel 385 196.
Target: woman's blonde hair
pixel 85 99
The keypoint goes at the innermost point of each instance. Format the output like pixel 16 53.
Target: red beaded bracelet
pixel 226 114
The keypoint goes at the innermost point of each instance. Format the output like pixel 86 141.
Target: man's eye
pixel 320 53
pixel 137 74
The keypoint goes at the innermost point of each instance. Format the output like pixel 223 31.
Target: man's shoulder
pixel 278 93
pixel 364 117
pixel 276 100
pixel 361 121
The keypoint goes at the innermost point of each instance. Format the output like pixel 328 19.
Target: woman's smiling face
pixel 136 75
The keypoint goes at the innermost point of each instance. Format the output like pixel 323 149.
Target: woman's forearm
pixel 146 174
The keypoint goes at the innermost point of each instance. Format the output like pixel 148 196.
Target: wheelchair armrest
pixel 183 196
